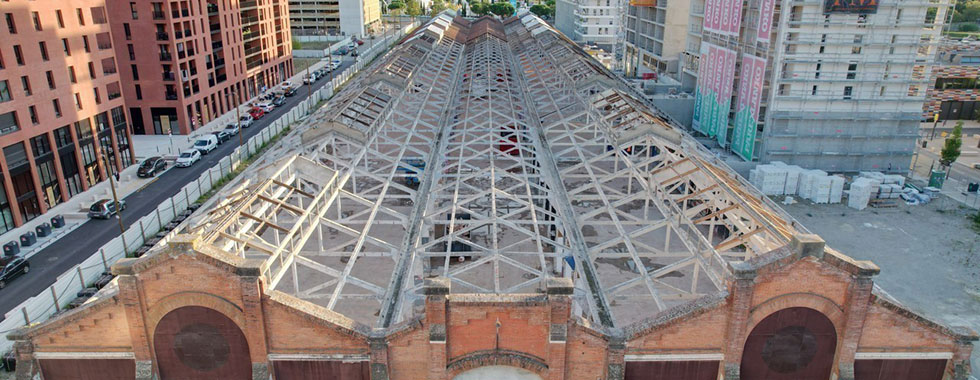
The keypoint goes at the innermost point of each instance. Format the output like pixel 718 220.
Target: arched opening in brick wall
pixel 797 343
pixel 497 372
pixel 195 342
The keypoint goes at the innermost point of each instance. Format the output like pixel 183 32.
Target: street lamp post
pixel 115 200
pixel 238 118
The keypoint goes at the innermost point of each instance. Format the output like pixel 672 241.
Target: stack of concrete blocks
pixel 889 191
pixel 820 192
pixel 792 176
pixel 836 188
pixel 808 181
pixel 770 179
pixel 860 193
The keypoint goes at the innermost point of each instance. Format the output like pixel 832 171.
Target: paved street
pixel 78 245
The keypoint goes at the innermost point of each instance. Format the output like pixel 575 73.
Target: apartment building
pixel 185 63
pixel 63 125
pixel 592 22
pixel 834 85
pixel 334 17
pixel 953 86
pixel 656 34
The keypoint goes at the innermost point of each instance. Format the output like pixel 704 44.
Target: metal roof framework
pixel 497 155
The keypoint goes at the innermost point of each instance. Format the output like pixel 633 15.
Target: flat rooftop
pixel 498 155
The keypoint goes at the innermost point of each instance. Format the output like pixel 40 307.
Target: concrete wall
pixel 565 18
pixel 681 109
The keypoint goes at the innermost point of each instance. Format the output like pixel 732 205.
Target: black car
pixel 13 268
pixel 222 136
pixel 151 166
pixel 290 91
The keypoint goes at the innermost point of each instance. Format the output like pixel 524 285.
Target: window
pixel 26 84
pixel 18 55
pixel 50 77
pixel 819 66
pixel 132 9
pixel 44 50
pixel 66 46
pixel 91 70
pixel 98 99
pixel 37 21
pixel 127 31
pixel 88 48
pixel 56 104
pixel 847 92
pixel 8 123
pixel 852 71
pixel 822 48
pixel 11 26
pixel 61 19
pixel 132 52
pixel 81 16
pixel 4 91
pixel 98 15
pixel 813 91
pixel 71 74
pixel 136 73
pixel 33 111
pixel 139 93
pixel 78 101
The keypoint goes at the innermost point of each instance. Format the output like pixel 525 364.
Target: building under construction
pixel 485 201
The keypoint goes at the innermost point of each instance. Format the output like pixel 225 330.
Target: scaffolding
pixel 497 155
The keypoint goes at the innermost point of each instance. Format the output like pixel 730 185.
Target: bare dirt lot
pixel 929 255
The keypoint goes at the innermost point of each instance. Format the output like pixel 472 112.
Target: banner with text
pixel 712 97
pixel 723 16
pixel 766 9
pixel 747 103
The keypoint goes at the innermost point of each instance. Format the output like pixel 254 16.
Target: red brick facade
pixel 460 332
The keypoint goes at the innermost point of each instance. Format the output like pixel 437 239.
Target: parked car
pixel 256 113
pixel 206 144
pixel 104 208
pixel 12 269
pixel 188 158
pixel 151 166
pixel 222 136
pixel 359 42
pixel 246 121
pixel 232 129
pixel 341 51
pixel 266 107
pixel 285 85
pixel 279 102
pixel 351 46
pixel 290 91
pixel 334 64
pixel 353 53
pixel 309 78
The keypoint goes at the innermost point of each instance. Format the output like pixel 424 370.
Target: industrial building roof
pixel 497 154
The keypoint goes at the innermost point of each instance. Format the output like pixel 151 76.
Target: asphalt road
pixel 81 243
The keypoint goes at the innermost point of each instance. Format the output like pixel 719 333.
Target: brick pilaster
pixel 379 355
pixel 436 298
pixel 856 309
pixel 741 302
pixel 252 289
pixel 560 302
pixel 26 366
pixel 130 297
pixel 616 356
pixel 962 352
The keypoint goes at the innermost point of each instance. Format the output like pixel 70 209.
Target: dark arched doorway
pixel 791 344
pixel 196 342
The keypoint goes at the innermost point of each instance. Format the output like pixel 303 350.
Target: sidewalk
pixel 75 210
pixel 169 145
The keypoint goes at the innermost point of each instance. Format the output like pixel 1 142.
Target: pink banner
pixel 728 76
pixel 765 19
pixel 758 78
pixel 723 16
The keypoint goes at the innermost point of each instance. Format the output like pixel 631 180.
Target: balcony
pixel 212 9
pixel 247 4
pixel 222 78
pixel 162 36
pixel 159 15
pixel 219 63
pixel 166 57
pixel 215 28
pixel 252 51
pixel 217 45
pixel 169 76
pixel 105 45
pixel 171 96
pixel 114 95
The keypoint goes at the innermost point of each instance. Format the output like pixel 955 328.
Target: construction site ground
pixel 929 254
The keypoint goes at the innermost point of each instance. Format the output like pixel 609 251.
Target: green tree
pixel 969 27
pixel 297 45
pixel 951 150
pixel 437 6
pixel 413 8
pixel 502 9
pixel 480 8
pixel 967 11
pixel 541 10
pixel 396 7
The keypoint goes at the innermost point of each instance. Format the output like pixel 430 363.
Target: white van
pixel 206 144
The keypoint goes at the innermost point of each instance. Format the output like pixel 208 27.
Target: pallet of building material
pixel 894 179
pixel 771 179
pixel 883 203
pixel 793 173
pixel 859 194
pixel 821 190
pixel 806 185
pixel 836 189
